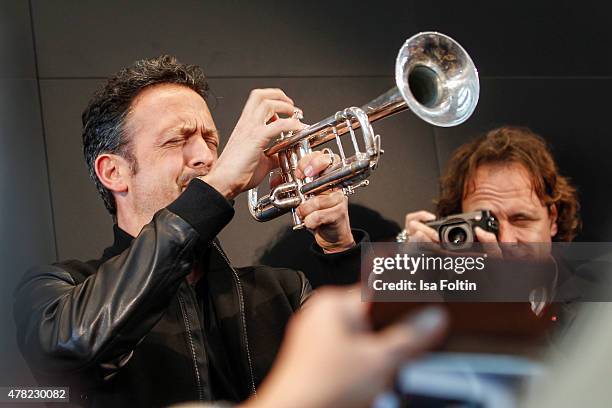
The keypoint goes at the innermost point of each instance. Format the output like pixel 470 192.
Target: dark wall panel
pixel 16 46
pixel 568 114
pixel 27 236
pixel 526 38
pixel 280 38
pixel 82 223
pixel 26 220
pixel 234 38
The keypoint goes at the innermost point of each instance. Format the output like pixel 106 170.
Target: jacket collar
pixel 122 241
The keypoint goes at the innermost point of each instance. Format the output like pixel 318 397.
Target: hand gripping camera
pixel 457 231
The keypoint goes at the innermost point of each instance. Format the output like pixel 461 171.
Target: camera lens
pixel 457 236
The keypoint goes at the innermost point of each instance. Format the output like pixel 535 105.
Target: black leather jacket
pixel 129 330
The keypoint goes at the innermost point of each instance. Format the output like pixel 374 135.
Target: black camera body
pixel 457 231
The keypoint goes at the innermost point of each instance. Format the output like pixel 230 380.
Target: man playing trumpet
pixel 163 316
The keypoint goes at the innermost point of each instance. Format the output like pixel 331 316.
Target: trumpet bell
pixel 437 79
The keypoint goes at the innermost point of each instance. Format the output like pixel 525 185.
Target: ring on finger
pixel 330 156
pixel 403 236
pixel 297 114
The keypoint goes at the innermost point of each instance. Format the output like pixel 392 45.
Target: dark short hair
pixel 105 115
pixel 511 144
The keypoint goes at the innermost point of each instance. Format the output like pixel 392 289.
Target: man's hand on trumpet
pixel 243 165
pixel 325 214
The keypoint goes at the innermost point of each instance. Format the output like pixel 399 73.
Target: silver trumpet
pixel 436 79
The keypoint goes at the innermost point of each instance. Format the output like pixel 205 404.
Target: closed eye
pixel 212 143
pixel 522 218
pixel 211 137
pixel 174 141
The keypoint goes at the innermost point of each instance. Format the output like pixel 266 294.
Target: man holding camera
pixel 511 173
pixel 507 189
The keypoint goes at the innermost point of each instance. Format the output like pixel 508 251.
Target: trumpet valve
pixel 350 190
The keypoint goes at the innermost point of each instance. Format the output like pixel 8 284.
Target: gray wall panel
pixel 234 38
pixel 26 225
pixel 26 221
pixel 526 38
pixel 83 226
pixel 280 38
pixel 16 46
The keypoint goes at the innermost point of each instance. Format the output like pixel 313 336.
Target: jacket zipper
pixel 242 316
pixel 191 346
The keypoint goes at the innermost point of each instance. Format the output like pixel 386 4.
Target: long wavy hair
pixel 510 144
